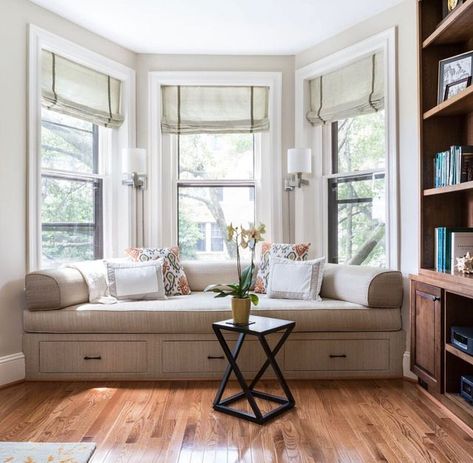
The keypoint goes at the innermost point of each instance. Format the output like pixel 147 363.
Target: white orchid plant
pixel 244 239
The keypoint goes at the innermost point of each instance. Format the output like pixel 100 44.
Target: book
pixel 445 251
pixel 453 166
pixel 461 243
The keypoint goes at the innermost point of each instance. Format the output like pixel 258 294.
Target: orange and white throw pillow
pixel 286 251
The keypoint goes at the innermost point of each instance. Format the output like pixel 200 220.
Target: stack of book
pixel 451 243
pixel 453 166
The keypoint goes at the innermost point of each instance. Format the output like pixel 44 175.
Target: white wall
pixel 15 15
pixel 283 64
pixel 403 16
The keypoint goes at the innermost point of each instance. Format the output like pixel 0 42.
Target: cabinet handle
pixel 435 298
pixel 213 357
pixel 339 356
pixel 93 357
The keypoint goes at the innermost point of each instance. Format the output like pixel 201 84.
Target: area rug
pixel 36 452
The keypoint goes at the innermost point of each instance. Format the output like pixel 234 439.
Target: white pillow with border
pixel 136 280
pixel 290 279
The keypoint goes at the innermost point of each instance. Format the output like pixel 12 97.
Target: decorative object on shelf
pixel 242 297
pixel 299 161
pixel 456 87
pixel 452 71
pixel 462 338
pixel 465 263
pixel 466 388
pixel 449 5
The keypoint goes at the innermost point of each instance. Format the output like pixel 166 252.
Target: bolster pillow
pixel 368 286
pixel 55 289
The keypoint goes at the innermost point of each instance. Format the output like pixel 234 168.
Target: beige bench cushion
pixel 369 286
pixel 195 314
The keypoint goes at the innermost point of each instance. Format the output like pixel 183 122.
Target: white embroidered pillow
pixel 289 279
pixel 136 280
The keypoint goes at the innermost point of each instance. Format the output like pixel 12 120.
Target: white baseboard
pixel 406 366
pixel 12 368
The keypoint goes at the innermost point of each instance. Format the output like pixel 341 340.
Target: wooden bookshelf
pixel 440 300
pixel 454 28
pixel 449 189
pixel 459 104
pixel 453 350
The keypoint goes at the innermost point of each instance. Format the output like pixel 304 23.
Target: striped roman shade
pixel 347 92
pixel 214 109
pixel 76 90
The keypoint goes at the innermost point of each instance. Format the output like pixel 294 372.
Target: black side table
pixel 259 327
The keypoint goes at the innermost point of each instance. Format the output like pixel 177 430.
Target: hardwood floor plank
pixel 174 422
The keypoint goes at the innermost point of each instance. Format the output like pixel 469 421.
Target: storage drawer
pixel 337 354
pixel 208 357
pixel 93 356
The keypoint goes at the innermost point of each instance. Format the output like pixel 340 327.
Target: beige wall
pixel 14 18
pixel 283 64
pixel 403 16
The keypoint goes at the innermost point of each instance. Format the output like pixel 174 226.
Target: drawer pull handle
pixel 93 357
pixel 340 356
pixel 213 357
pixel 435 298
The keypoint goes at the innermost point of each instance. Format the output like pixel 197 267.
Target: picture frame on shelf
pixel 453 70
pixel 454 88
pixel 448 6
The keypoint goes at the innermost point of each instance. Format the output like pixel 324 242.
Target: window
pixel 215 186
pixel 71 190
pixel 356 191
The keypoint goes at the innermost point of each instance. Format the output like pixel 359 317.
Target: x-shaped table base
pixel 248 390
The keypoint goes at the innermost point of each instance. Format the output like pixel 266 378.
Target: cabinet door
pixel 426 334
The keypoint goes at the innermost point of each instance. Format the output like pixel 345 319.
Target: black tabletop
pixel 258 325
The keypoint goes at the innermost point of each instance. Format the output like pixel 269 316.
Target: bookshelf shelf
pixel 465 186
pixel 449 280
pixel 457 105
pixel 458 402
pixel 440 300
pixel 454 29
pixel 458 353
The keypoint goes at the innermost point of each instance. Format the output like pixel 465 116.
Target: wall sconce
pixel 299 161
pixel 134 167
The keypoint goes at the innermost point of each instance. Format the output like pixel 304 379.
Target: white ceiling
pixel 216 26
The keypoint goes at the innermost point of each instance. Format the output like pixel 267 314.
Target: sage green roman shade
pixel 214 109
pixel 76 90
pixel 347 92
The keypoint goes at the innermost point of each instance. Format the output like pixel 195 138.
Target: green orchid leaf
pixel 254 299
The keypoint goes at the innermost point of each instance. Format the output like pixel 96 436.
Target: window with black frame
pixel 356 191
pixel 71 188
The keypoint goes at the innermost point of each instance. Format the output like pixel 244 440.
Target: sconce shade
pixel 299 160
pixel 134 160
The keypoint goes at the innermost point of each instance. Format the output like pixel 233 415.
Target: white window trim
pixel 116 197
pixel 310 213
pixel 162 208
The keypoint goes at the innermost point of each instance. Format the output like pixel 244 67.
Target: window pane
pixel 71 220
pixel 67 244
pixel 67 143
pixel 199 205
pixel 216 156
pixel 357 220
pixel 359 143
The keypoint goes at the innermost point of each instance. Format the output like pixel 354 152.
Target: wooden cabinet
pixel 426 334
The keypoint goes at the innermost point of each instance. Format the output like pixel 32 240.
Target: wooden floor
pixel 334 421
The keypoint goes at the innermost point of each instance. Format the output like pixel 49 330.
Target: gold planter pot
pixel 241 310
